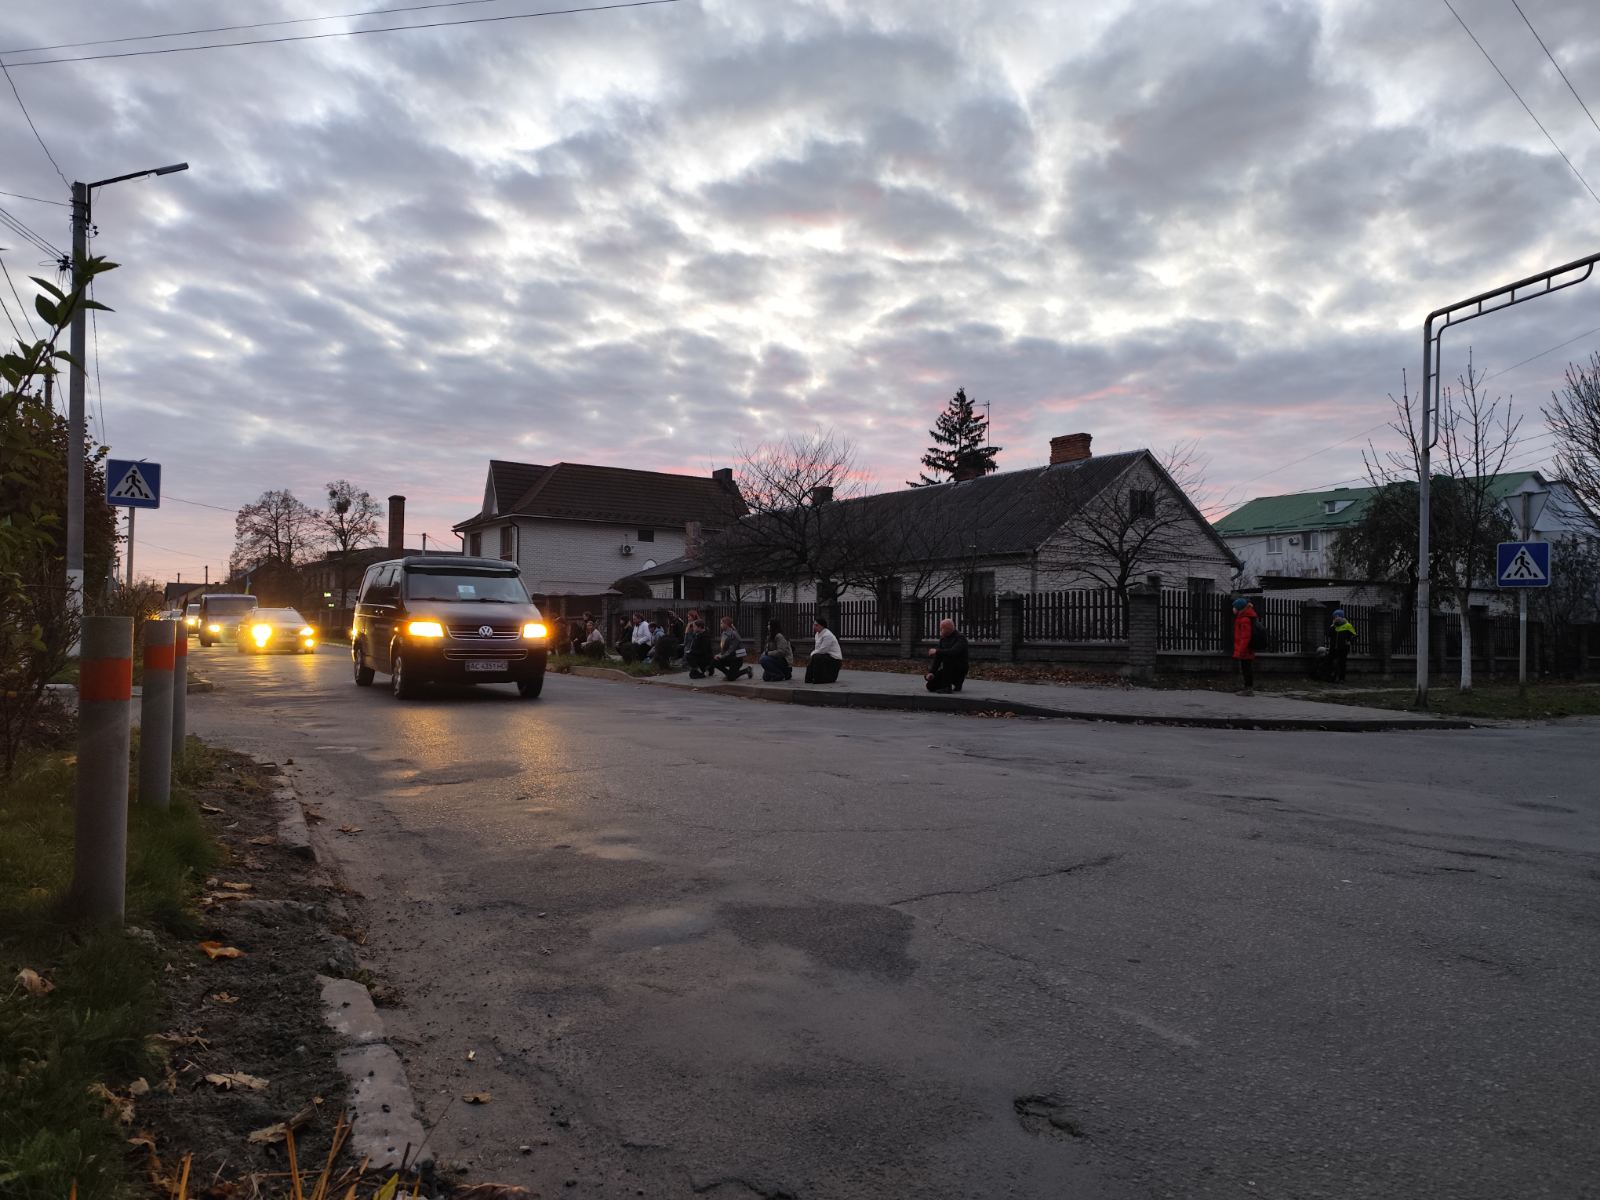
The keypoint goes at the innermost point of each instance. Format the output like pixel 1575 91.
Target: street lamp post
pixel 1433 329
pixel 81 193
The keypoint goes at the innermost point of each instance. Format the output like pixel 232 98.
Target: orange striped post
pixel 100 846
pixel 180 693
pixel 155 714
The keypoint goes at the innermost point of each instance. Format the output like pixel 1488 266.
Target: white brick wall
pixel 579 557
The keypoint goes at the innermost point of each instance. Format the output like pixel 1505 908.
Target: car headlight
pixel 261 633
pixel 425 629
pixel 305 631
pixel 534 629
pixel 213 628
pixel 191 622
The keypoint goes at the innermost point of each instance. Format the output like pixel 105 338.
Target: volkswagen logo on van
pixel 485 630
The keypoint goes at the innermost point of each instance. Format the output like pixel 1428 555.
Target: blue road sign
pixel 132 484
pixel 1523 564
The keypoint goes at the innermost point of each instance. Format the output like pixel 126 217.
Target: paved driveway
pixel 718 947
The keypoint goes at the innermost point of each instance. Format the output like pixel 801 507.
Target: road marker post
pixel 155 714
pixel 100 803
pixel 180 693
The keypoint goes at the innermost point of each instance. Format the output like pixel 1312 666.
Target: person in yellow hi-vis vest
pixel 1341 636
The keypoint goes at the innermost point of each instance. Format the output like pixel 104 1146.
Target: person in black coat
pixel 949 660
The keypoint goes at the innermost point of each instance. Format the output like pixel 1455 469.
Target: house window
pixel 978 592
pixel 505 541
pixel 1274 544
pixel 1312 542
pixel 1141 503
pixel 647 535
pixel 475 545
pixel 769 595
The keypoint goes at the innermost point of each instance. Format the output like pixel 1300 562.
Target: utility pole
pixel 75 380
pixel 130 546
pixel 81 193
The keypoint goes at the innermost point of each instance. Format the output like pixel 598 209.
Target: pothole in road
pixel 848 937
pixel 465 773
pixel 659 927
pixel 1046 1115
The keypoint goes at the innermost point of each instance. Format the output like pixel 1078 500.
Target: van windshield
pixel 228 606
pixel 463 587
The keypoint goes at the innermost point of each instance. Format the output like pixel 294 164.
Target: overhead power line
pixel 34 127
pixel 23 308
pixel 37 199
pixel 315 37
pixel 151 37
pixel 1556 65
pixel 1521 101
pixel 17 227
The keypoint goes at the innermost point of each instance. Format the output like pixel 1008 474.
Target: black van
pixel 220 614
pixel 447 619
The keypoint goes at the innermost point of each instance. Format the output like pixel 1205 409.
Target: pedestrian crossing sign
pixel 1523 564
pixel 132 484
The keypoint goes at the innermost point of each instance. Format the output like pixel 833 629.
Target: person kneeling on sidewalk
pixel 949 660
pixel 777 663
pixel 730 653
pixel 826 657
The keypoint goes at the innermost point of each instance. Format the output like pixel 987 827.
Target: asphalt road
pixel 703 946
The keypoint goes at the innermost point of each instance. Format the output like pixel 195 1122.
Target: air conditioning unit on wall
pixel 1294 541
pixel 626 549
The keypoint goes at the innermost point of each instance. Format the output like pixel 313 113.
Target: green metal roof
pixel 1303 510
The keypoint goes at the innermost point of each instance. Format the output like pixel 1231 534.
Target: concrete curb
pixel 387 1130
pixel 293 832
pixel 966 705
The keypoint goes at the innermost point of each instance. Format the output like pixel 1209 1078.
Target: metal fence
pixel 1074 616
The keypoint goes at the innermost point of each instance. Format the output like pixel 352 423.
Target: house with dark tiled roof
pixel 576 528
pixel 1010 531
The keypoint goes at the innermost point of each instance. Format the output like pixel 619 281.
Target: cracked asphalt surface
pixel 715 947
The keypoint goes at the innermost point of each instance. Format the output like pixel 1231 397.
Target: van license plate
pixel 486 664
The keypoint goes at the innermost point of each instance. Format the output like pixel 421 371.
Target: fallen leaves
pixel 313 817
pixel 34 983
pixel 228 1080
pixel 224 998
pixel 139 1087
pixel 271 1135
pixel 210 808
pixel 263 839
pixel 118 1108
pixel 216 950
pixel 477 1097
pixel 349 829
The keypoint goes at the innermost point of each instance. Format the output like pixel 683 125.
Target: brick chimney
pixel 1069 447
pixel 965 472
pixel 724 476
pixel 397 525
pixel 821 494
pixel 693 535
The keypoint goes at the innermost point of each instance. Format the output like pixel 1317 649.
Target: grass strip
pixel 93 1029
pixel 1539 701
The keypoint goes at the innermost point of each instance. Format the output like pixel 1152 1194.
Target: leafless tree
pixel 1142 522
pixel 802 522
pixel 1468 516
pixel 348 523
pixel 1574 417
pixel 277 528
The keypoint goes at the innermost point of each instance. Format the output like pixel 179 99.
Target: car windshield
pixel 229 606
pixel 462 586
pixel 191 610
pixel 282 616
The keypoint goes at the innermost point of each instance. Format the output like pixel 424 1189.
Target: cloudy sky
pixel 646 237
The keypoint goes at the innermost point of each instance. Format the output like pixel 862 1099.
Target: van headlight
pixel 425 629
pixel 535 629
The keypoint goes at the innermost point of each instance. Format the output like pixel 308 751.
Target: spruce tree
pixel 959 435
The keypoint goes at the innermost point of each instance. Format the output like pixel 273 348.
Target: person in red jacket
pixel 1244 621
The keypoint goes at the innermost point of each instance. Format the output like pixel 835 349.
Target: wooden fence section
pixel 1195 622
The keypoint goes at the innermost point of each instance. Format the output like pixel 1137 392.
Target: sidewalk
pixel 1128 705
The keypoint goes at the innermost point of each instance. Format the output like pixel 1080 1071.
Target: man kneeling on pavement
pixel 949 660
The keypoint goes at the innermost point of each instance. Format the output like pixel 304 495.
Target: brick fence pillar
pixel 1010 626
pixel 1144 615
pixel 910 627
pixel 1382 635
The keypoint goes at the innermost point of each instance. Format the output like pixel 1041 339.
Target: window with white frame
pixel 1274 544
